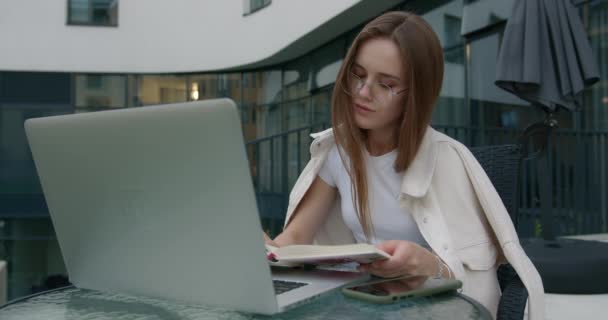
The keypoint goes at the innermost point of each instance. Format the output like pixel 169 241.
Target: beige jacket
pixel 457 210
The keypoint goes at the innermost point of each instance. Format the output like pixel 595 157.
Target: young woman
pixel 382 175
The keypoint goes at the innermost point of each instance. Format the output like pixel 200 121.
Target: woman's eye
pixel 385 85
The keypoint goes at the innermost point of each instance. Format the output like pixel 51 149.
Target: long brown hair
pixel 423 61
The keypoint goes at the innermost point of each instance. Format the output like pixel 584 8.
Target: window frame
pixel 69 22
pixel 247 9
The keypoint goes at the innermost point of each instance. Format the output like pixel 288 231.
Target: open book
pixel 322 255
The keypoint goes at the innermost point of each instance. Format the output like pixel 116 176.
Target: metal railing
pixel 578 161
pixel 275 162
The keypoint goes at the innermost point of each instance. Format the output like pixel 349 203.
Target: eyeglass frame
pixel 361 83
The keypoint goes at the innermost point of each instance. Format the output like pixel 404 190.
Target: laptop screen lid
pixel 156 201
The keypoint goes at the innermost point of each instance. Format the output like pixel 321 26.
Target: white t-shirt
pixel 390 221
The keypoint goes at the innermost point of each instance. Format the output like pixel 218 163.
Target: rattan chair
pixel 502 165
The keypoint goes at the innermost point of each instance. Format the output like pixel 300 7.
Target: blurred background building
pixel 278 61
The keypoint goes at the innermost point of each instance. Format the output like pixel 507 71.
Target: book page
pixel 315 254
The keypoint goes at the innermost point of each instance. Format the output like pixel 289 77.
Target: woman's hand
pixel 269 241
pixel 407 259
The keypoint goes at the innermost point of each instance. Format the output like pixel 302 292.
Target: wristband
pixel 440 267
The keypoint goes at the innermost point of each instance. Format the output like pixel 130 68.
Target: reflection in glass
pixel 479 14
pixel 321 107
pixel 17 172
pixel 206 85
pixel 209 86
pixel 162 89
pixel 325 64
pixel 595 99
pixel 450 108
pixel 493 107
pixel 454 43
pixel 296 79
pixel 132 91
pixel 380 93
pixel 261 87
pixel 297 113
pixel 260 103
pixel 297 116
pixel 100 91
pixel 26 243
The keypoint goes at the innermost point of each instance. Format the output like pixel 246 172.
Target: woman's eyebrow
pixel 386 75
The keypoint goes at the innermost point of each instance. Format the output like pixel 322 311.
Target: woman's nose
pixel 365 91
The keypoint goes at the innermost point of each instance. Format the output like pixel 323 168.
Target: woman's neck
pixel 380 142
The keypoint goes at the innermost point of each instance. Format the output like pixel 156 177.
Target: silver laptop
pixel 158 201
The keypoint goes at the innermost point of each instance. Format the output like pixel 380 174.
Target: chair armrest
pixel 514 295
pixel 506 274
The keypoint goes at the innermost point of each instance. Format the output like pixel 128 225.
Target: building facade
pixel 278 61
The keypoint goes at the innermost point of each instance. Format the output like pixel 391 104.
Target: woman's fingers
pixel 406 259
pixel 269 241
pixel 389 246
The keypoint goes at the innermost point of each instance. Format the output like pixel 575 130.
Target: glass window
pixel 297 113
pixel 325 64
pixel 479 14
pixel 251 6
pixel 262 87
pixel 162 89
pixel 35 87
pixel 321 107
pixel 445 19
pixel 249 122
pixel 34 255
pixel 453 43
pixel 25 95
pixel 17 171
pixel 296 79
pixel 229 86
pixel 93 12
pixel 132 91
pixel 492 107
pixel 209 86
pixel 204 86
pixel 100 91
pixel 595 99
pixel 260 104
pixel 268 120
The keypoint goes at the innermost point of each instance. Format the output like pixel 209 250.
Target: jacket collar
pixel 323 134
pixel 417 178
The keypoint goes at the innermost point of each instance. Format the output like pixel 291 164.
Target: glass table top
pixel 71 303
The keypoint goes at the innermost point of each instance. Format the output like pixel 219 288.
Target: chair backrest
pixel 502 165
pixel 3 281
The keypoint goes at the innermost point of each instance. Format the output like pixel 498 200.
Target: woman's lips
pixel 362 109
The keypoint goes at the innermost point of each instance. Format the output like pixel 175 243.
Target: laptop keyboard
pixel 281 286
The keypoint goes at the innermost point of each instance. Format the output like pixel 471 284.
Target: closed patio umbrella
pixel 545 58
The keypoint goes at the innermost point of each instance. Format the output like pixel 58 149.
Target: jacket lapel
pixel 417 178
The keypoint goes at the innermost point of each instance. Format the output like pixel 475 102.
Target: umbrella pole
pixel 546 201
pixel 535 143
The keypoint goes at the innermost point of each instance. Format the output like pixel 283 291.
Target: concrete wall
pixel 155 36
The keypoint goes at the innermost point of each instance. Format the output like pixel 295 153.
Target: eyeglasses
pixel 380 92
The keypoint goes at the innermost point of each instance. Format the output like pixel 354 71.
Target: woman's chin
pixel 364 123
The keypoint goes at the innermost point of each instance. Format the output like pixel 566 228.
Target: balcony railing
pixel 578 161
